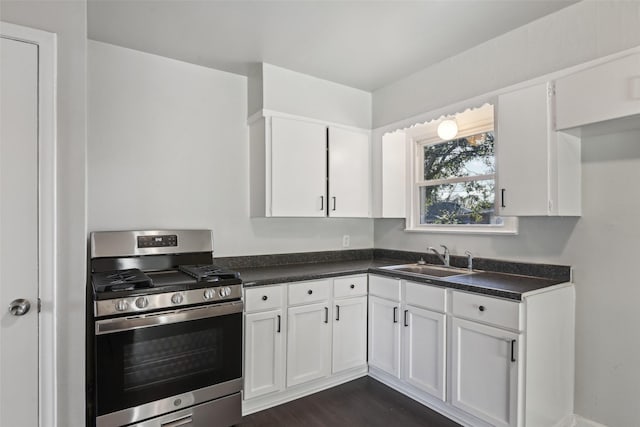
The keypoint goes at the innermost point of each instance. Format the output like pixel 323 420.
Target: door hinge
pixel 39 305
pixel 551 90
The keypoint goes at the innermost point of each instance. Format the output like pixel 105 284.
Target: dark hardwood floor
pixel 362 402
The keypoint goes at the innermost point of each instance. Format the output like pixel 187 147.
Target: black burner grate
pixel 120 280
pixel 208 272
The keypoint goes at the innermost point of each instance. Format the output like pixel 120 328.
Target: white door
pixel 423 347
pixel 484 370
pixel 264 355
pixel 349 334
pixel 298 168
pixel 309 343
pixel 18 233
pixel 384 335
pixel 349 170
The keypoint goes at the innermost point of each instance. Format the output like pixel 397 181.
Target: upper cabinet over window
pixel 603 92
pixel 305 168
pixel 538 168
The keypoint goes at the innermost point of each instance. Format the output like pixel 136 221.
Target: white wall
pixel 602 244
pixel 168 147
pixel 68 20
pixel 573 35
pixel 295 93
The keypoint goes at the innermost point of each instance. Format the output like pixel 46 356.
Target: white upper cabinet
pixel 603 92
pixel 393 174
pixel 305 168
pixel 298 168
pixel 538 168
pixel 349 171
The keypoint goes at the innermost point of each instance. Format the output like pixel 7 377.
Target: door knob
pixel 19 307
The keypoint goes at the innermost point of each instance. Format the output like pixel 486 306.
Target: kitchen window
pixel 454 184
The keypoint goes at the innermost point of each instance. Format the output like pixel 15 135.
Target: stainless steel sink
pixel 428 270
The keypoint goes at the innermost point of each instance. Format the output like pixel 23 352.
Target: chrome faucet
pixel 444 257
pixel 469 260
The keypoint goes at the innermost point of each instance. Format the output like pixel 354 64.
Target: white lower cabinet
pixel 303 337
pixel 424 349
pixel 480 360
pixel 384 335
pixel 264 367
pixel 349 334
pixel 484 372
pixel 309 343
pixel 264 341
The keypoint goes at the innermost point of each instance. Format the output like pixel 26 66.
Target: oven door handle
pixel 109 326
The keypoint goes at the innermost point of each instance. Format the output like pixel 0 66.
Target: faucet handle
pixel 469 260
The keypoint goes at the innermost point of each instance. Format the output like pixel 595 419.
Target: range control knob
pixel 225 292
pixel 209 293
pixel 142 302
pixel 122 305
pixel 177 298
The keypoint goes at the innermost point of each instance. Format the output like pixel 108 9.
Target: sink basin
pixel 428 270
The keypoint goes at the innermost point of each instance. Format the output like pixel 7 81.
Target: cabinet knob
pixel 352 286
pixel 264 298
pixel 481 308
pixel 309 291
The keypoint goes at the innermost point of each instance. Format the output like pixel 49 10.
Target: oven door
pixel 152 364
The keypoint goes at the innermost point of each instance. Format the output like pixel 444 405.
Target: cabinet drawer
pixel 307 292
pixel 425 296
pixel 262 298
pixel 498 312
pixel 384 287
pixel 349 286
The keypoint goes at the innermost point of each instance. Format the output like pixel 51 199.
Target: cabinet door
pixel 309 343
pixel 484 372
pixel 349 333
pixel 384 335
pixel 298 168
pixel 349 173
pixel 264 364
pixel 423 350
pixel 522 152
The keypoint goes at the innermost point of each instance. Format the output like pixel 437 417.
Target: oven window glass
pixel 143 365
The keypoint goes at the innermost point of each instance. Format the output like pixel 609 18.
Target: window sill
pixel 510 227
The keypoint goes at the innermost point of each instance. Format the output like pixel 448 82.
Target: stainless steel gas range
pixel 167 341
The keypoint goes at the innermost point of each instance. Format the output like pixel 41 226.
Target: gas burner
pixel 208 272
pixel 120 280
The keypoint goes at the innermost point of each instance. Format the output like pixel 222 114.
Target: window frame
pixel 415 181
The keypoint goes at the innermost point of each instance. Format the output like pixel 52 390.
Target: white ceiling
pixel 363 44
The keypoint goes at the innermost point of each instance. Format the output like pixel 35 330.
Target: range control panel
pixel 157 241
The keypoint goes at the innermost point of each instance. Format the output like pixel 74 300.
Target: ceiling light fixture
pixel 448 129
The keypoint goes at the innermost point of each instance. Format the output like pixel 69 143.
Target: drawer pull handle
pixel 337 313
pixel 309 291
pixel 352 286
pixel 264 297
pixel 279 323
pixel 326 315
pixel 513 352
pixel 481 308
pixel 405 317
pixel 395 314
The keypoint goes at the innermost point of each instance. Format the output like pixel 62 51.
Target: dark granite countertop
pixel 503 285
